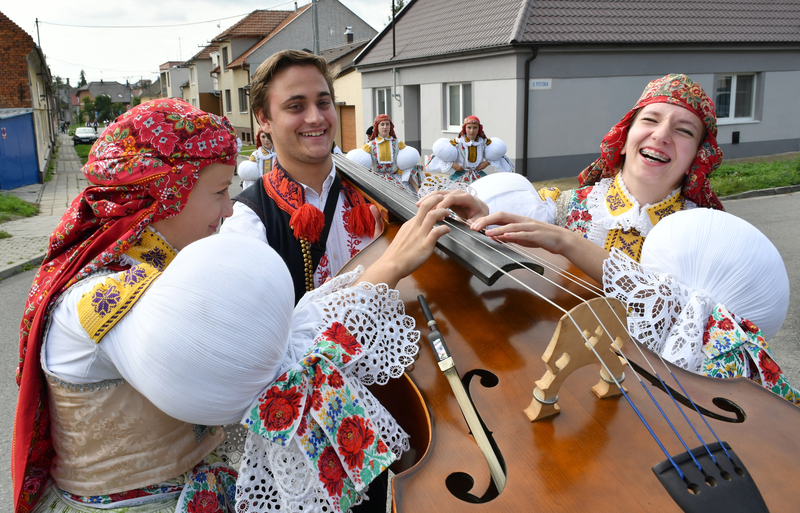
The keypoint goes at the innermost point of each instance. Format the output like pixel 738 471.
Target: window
pixel 228 107
pixel 383 101
pixel 224 57
pixel 459 104
pixel 735 98
pixel 191 72
pixel 242 100
pixel 194 102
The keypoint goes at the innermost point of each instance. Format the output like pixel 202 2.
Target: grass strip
pixel 738 177
pixel 11 207
pixel 4 234
pixel 83 152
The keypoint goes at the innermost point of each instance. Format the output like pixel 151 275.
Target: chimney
pixel 348 34
pixel 67 81
pixel 295 6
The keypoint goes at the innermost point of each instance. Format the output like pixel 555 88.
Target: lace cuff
pixel 662 313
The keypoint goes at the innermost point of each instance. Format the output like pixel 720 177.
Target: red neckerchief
pixel 307 221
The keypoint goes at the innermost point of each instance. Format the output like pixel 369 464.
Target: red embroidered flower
pixel 711 322
pixel 353 437
pixel 769 368
pixel 335 379
pixel 130 494
pixel 346 359
pixel 749 326
pixel 338 333
pixel 382 447
pixel 331 472
pixel 316 400
pixel 726 324
pixel 203 501
pixel 279 408
pixel 319 377
pixel 301 429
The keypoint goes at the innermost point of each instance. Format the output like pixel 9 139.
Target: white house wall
pixel 496 96
pixel 593 88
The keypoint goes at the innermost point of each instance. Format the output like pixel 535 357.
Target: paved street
pixel 774 215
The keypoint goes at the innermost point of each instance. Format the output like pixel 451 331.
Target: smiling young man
pixel 301 207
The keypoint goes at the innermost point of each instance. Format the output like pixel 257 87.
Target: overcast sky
pixel 134 53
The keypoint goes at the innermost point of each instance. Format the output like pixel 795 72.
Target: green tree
pixel 116 110
pixel 82 79
pixel 135 101
pixel 88 109
pixel 102 104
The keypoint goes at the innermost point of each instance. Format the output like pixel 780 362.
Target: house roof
pixel 427 28
pixel 256 24
pixel 12 112
pixel 154 90
pixel 118 92
pixel 344 55
pixel 204 54
pixel 242 59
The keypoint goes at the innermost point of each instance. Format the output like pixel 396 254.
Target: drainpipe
pixel 394 88
pixel 525 110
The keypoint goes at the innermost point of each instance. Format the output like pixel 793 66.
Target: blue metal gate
pixel 19 164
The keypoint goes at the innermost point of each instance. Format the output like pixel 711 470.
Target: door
pixel 348 122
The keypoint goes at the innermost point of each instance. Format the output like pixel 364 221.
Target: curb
pixel 11 271
pixel 762 192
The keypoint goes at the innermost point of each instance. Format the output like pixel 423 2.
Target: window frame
pixel 225 61
pixel 228 106
pixel 387 92
pixel 732 118
pixel 191 72
pixel 463 112
pixel 243 101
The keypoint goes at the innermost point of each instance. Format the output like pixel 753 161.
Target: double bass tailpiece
pixel 570 349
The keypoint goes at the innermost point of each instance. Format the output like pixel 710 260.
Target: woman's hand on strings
pixel 412 245
pixel 584 254
pixel 464 204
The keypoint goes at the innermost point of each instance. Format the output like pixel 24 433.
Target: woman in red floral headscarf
pixel 159 178
pixel 388 156
pixel 654 162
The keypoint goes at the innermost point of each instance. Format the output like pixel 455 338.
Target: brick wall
pixel 15 45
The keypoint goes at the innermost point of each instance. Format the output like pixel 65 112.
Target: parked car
pixel 84 135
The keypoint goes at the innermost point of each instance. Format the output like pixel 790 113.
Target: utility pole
pixel 394 53
pixel 38 39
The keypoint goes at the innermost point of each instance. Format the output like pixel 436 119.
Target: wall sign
pixel 540 84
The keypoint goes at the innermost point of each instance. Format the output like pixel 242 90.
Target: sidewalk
pixel 28 244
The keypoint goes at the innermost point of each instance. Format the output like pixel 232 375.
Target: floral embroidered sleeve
pixel 689 329
pixel 316 436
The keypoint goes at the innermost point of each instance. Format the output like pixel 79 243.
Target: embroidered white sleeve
pixel 278 478
pixel 662 313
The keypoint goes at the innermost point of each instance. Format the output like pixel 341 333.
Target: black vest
pixel 281 237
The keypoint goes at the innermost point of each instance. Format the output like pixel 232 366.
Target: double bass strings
pixel 455 223
pixel 521 250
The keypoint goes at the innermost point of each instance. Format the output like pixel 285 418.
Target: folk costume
pixel 603 210
pixel 316 234
pixel 390 157
pixel 296 377
pixel 468 154
pixel 696 301
pixel 264 158
pixel 82 424
pixel 249 172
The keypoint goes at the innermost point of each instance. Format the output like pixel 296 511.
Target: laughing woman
pixel 654 162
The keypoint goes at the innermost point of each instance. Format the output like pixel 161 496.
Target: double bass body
pixel 595 455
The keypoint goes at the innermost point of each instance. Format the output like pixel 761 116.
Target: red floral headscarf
pixel 378 119
pixel 258 138
pixel 676 90
pixel 141 170
pixel 472 120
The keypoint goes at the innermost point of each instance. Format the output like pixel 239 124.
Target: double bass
pixel 592 454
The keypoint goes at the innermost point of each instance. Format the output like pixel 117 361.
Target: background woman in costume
pixel 159 178
pixel 264 155
pixel 388 156
pixel 466 157
pixel 696 300
pixel 654 162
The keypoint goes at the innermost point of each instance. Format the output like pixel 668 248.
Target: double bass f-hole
pixel 460 483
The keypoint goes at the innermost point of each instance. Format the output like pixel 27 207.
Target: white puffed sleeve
pixel 249 170
pixel 444 155
pixel 210 333
pixel 407 158
pixel 360 156
pixel 513 193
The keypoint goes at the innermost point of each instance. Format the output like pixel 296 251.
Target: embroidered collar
pixel 612 206
pixel 152 249
pixel 266 153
